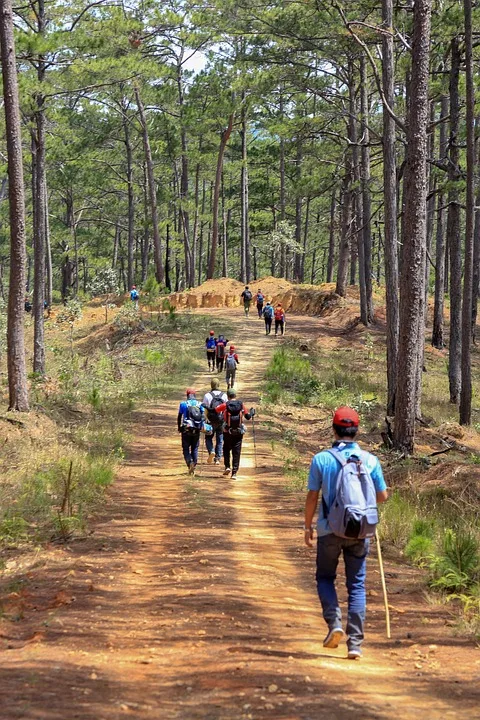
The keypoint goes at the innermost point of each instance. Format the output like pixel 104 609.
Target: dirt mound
pixel 226 292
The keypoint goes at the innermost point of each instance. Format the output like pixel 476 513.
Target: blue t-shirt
pixel 323 475
pixel 133 295
pixel 183 409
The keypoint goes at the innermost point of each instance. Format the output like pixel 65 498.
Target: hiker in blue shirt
pixel 324 471
pixel 211 347
pixel 134 296
pixel 190 422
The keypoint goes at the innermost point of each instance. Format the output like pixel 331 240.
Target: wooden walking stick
pixel 384 585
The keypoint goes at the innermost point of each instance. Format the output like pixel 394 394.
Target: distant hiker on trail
pixel 28 304
pixel 351 482
pixel 231 362
pixel 211 346
pixel 211 401
pixel 190 422
pixel 247 299
pixel 279 319
pixel 259 299
pixel 268 313
pixel 134 296
pixel 221 350
pixel 234 412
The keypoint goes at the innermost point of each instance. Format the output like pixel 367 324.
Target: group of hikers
pixel 220 417
pixel 265 309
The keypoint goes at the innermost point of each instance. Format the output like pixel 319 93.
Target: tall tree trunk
pixel 411 339
pixel 39 201
pixel 130 196
pixel 439 303
pixel 366 194
pixel 224 138
pixel 195 224
pixel 48 252
pixel 157 241
pixel 184 180
pixel 17 371
pixel 297 271
pixel 466 391
pixel 331 241
pixel 344 250
pixel 283 203
pixel 200 250
pixel 224 234
pixel 453 230
pixel 245 263
pixel 305 239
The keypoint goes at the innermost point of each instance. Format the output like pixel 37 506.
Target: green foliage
pixel 105 282
pixel 456 567
pixel 128 320
pixel 290 374
pixel 151 289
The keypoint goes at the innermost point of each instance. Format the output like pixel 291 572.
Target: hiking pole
pixel 254 441
pixel 384 585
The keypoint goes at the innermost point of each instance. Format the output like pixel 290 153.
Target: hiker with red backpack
pixel 220 352
pixel 234 413
pixel 259 299
pixel 211 400
pixel 190 422
pixel 279 315
pixel 211 347
pixel 231 362
pixel 351 482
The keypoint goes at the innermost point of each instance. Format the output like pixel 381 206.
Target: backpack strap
pixel 338 456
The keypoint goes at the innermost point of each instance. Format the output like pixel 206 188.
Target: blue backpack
pixel 193 423
pixel 260 299
pixel 268 311
pixel 211 343
pixel 354 513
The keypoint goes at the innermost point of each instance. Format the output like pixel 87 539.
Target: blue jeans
pixel 329 548
pixel 218 435
pixel 190 445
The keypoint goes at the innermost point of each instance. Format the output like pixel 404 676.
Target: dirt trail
pixel 194 598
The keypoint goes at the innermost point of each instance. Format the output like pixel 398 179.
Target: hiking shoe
pixel 191 468
pixel 226 472
pixel 234 476
pixel 354 654
pixel 216 461
pixel 333 638
pixel 210 458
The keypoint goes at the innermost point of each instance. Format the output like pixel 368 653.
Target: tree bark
pixel 130 196
pixel 390 207
pixel 344 250
pixel 412 284
pixel 466 391
pixel 331 239
pixel 439 303
pixel 17 371
pixel 366 233
pixel 157 242
pixel 224 138
pixel 245 265
pixel 453 230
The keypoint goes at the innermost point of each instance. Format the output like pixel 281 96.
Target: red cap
pixel 346 417
pixel 232 347
pixel 190 391
pixel 212 332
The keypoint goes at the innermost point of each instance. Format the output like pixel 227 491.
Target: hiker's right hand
pixel 309 537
